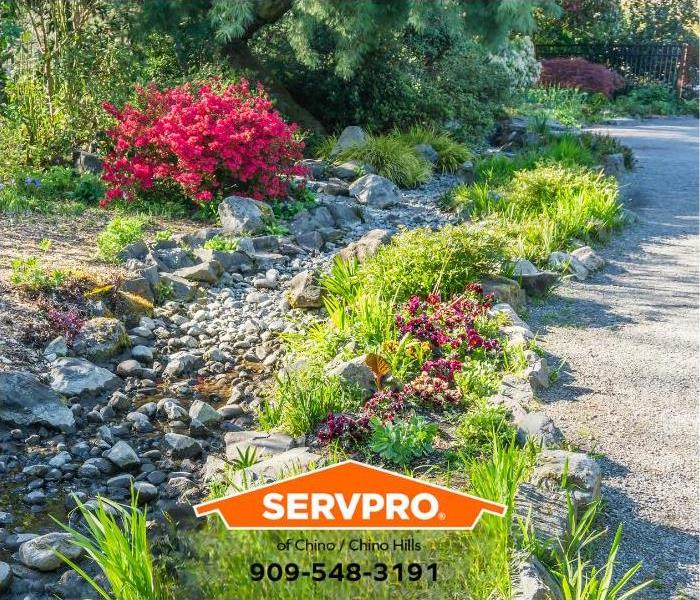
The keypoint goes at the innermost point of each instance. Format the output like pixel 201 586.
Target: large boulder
pixel 239 215
pixel 366 246
pixel 40 552
pixel 375 191
pixel 304 292
pixel 100 339
pixel 80 377
pixel 24 400
pixel 349 137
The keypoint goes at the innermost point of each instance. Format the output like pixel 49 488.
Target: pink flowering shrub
pixel 209 140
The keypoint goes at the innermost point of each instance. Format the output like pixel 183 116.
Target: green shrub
pixel 648 100
pixel 400 442
pixel 222 243
pixel 420 261
pixel 117 235
pixel 392 157
pixel 303 398
pixel 89 189
pixel 481 429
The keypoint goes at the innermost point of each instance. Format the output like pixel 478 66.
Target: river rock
pixel 204 413
pixel 123 455
pixel 182 446
pixel 546 511
pixel 24 400
pixel 38 553
pixel 239 215
pixel 427 152
pixel 304 292
pixel 100 339
pixel 587 256
pixel 538 283
pixel 80 377
pixel 376 191
pixel 181 363
pixel 142 353
pixel 538 426
pixel 366 246
pixel 56 347
pixel 563 261
pixel 5 576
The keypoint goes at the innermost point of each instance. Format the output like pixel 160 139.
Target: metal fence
pixel 668 63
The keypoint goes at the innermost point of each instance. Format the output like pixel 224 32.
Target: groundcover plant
pixel 245 244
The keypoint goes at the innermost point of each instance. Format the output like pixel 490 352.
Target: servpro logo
pixel 350 495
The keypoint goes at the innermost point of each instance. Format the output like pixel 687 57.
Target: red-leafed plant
pixel 581 74
pixel 208 139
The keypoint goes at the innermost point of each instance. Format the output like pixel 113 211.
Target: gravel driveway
pixel 628 390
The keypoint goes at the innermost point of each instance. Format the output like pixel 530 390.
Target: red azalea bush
pixel 581 74
pixel 208 139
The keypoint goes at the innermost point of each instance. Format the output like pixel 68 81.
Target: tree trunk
pixel 242 60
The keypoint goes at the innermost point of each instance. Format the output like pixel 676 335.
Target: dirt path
pixel 629 389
